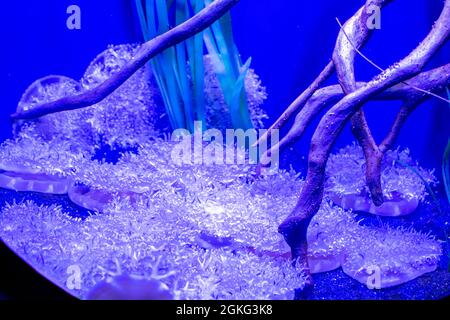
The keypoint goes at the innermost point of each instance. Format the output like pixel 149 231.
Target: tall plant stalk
pixel 182 87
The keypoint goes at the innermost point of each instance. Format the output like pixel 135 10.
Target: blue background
pixel 290 42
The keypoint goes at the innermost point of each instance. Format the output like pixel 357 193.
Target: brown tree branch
pixel 148 50
pixel 433 80
pixel 343 59
pixel 405 111
pixel 295 226
pixel 298 103
pixel 353 35
pixel 361 37
pixel 345 70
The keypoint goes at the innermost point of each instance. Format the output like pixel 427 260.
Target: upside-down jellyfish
pixel 394 256
pixel 125 287
pixel 21 180
pixel 404 182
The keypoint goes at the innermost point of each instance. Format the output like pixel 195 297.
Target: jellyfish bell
pixel 22 180
pixel 88 198
pixel 128 115
pixel 47 89
pixel 395 207
pixel 97 199
pixel 126 287
pixel 21 177
pixel 392 271
pixel 323 254
pixel 378 257
pixel 107 63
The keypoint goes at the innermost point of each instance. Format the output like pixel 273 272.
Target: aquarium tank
pixel 225 150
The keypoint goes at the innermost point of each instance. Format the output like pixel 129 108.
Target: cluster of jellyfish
pixel 157 230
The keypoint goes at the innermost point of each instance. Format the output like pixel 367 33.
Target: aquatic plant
pixel 184 104
pixel 229 69
pixel 180 70
pixel 217 111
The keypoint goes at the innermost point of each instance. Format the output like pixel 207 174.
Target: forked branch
pixel 294 227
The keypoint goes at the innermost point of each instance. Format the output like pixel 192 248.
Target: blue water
pixel 289 41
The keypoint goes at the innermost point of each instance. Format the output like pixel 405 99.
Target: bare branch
pixel 433 80
pixel 323 76
pixel 353 35
pixel 333 122
pixel 299 102
pixel 148 50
